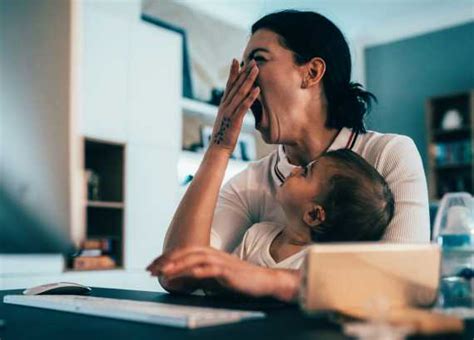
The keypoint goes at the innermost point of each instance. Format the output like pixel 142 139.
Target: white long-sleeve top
pixel 249 197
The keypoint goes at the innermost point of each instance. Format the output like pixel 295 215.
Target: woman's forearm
pixel 186 269
pixel 191 224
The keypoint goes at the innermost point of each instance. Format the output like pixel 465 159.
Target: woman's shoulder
pixel 378 142
pixel 389 151
pixel 374 145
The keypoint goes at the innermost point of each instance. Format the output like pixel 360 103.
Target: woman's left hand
pixel 228 270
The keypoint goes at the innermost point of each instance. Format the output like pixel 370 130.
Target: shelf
pixel 106 161
pixel 104 205
pixel 197 156
pixel 71 270
pixel 189 163
pixel 450 158
pixel 101 204
pixel 197 108
pixel 444 132
pixel 453 166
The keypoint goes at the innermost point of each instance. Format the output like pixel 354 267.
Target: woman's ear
pixel 313 72
pixel 314 215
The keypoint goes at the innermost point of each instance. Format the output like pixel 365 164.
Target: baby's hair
pixel 357 200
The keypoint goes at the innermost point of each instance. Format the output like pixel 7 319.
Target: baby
pixel 337 198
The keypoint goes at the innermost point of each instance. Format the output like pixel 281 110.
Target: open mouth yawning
pixel 257 111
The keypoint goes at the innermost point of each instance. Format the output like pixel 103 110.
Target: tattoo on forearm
pixel 219 136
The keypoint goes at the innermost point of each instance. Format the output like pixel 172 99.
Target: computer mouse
pixel 69 288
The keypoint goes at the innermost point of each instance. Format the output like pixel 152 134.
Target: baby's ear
pixel 314 215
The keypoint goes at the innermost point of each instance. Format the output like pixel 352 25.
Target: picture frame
pixel 187 84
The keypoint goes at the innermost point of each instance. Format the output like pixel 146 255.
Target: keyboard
pixel 141 311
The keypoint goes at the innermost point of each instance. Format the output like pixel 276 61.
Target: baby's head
pixel 340 197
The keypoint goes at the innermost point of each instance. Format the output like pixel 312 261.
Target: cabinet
pixel 104 206
pixel 151 188
pixel 132 85
pixel 105 31
pixel 450 126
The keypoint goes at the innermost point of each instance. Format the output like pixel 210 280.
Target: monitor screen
pixel 35 127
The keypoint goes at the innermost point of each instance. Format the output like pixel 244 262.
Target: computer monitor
pixel 36 144
pixel 21 232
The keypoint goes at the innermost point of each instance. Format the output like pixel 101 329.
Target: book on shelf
pixel 93 262
pixel 452 153
pixel 103 244
pixel 90 252
pixel 95 253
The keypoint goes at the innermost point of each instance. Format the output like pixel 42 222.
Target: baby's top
pixel 255 247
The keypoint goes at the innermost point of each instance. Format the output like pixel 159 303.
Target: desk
pixel 282 322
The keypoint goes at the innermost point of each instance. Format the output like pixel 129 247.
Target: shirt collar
pixel 282 167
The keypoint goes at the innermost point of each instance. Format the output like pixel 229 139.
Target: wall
pixel 405 73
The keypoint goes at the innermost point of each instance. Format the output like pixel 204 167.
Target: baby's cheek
pixel 287 196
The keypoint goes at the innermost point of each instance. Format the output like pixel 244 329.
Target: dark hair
pixel 358 202
pixel 309 35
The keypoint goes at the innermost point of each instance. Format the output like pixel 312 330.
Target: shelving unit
pixel 196 108
pixel 189 163
pixel 197 115
pixel 105 211
pixel 451 156
pixel 99 204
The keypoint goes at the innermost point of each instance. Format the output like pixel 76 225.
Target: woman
pixel 295 77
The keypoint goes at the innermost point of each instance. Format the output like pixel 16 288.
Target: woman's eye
pixel 258 58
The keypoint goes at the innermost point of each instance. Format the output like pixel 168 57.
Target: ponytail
pixel 348 107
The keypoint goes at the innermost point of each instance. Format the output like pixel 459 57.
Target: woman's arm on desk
pixel 191 224
pixel 198 263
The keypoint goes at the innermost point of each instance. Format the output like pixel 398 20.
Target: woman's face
pixel 279 109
